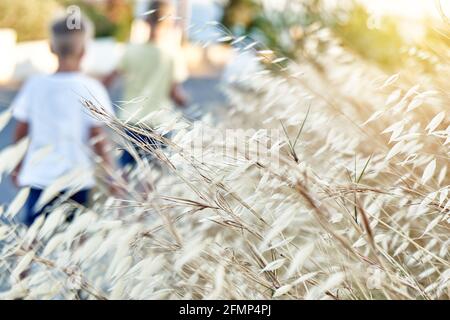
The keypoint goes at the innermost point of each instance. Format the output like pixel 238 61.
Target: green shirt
pixel 149 75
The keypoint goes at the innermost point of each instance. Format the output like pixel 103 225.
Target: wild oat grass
pixel 355 206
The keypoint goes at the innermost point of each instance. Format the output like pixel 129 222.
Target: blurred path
pixel 205 95
pixel 7 190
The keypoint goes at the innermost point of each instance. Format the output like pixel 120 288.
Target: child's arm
pixel 108 80
pixel 178 95
pixel 100 147
pixel 20 133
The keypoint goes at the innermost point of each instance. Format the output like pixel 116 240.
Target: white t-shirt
pixel 59 127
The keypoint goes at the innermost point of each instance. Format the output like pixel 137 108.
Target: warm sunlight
pixel 410 9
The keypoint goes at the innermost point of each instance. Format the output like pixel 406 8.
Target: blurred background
pixel 388 34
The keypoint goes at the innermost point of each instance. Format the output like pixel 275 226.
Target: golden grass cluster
pixel 355 206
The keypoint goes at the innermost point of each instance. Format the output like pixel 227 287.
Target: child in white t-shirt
pixel 49 110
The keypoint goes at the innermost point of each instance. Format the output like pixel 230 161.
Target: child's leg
pixel 31 214
pixel 126 159
pixel 82 198
pixel 31 211
pixel 148 141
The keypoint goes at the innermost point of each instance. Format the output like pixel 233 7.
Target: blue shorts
pixel 81 197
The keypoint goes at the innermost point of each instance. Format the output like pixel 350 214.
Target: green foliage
pixel 30 18
pixel 240 15
pixel 282 31
pixel 286 30
pixel 382 45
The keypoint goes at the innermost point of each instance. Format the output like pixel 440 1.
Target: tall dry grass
pixel 351 202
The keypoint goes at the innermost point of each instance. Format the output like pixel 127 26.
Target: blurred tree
pixel 382 44
pixel 120 13
pixel 111 18
pixel 285 25
pixel 240 15
pixel 29 18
